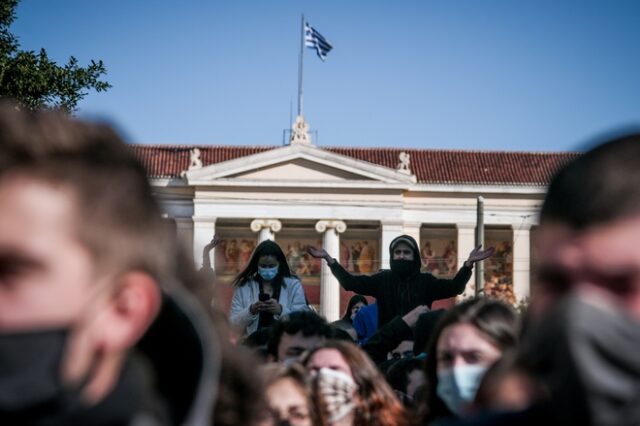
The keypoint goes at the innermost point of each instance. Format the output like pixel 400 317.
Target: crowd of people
pixel 104 320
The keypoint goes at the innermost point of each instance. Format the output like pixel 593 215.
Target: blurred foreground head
pixel 83 255
pixel 93 175
pixel 590 228
pixel 586 297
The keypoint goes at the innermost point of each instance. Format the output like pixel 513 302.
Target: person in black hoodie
pixel 404 287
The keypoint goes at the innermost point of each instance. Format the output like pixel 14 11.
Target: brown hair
pixel 496 320
pixel 240 397
pixel 271 373
pixel 378 404
pixel 116 216
pixel 599 187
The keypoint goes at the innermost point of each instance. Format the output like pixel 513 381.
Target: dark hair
pixel 496 320
pixel 307 322
pixel 240 399
pixel 265 248
pixel 273 373
pixel 424 329
pixel 377 405
pixel 398 373
pixel 601 186
pixel 357 298
pixel 256 339
pixel 340 331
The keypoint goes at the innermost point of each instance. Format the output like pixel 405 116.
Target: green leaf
pixel 34 80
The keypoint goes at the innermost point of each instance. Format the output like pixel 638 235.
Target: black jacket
pixel 397 295
pixel 386 339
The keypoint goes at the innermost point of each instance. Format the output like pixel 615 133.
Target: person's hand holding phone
pixel 269 305
pixel 266 304
pixel 259 305
pixel 263 297
pixel 256 307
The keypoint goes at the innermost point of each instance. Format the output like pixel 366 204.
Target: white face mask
pixel 457 387
pixel 338 391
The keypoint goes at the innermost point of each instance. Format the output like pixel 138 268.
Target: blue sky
pixel 484 75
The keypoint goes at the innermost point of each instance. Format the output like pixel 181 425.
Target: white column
pixel 390 230
pixel 412 229
pixel 266 227
pixel 203 230
pixel 521 260
pixel 466 243
pixel 329 286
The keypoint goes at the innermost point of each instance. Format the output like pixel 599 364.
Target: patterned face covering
pixel 338 393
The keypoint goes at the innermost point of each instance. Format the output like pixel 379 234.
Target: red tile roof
pixel 429 166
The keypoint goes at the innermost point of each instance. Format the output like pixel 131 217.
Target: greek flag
pixel 314 40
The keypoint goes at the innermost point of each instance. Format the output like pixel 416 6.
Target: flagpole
pixel 300 69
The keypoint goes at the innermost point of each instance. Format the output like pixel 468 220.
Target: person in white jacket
pixel 265 290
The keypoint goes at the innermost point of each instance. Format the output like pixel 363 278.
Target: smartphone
pixel 263 297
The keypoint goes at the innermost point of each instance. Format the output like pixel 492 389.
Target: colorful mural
pixel 439 250
pixel 440 257
pixel 233 254
pixel 498 269
pixel 301 263
pixel 360 256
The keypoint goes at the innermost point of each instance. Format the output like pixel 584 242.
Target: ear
pixel 118 323
pixel 132 307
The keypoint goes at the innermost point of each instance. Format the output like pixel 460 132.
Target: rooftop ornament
pixel 300 132
pixel 195 162
pixel 403 164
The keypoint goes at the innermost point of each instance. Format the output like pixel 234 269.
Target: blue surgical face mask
pixel 457 387
pixel 268 274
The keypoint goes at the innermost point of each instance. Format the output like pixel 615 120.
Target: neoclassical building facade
pixel 353 202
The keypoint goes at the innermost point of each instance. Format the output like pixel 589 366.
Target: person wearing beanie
pixel 403 287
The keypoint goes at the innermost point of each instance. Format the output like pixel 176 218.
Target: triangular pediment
pixel 297 164
pixel 300 168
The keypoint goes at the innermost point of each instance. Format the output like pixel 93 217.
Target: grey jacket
pixel 291 298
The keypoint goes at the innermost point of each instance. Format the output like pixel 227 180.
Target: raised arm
pixel 443 288
pixel 361 284
pixel 477 254
pixel 206 260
